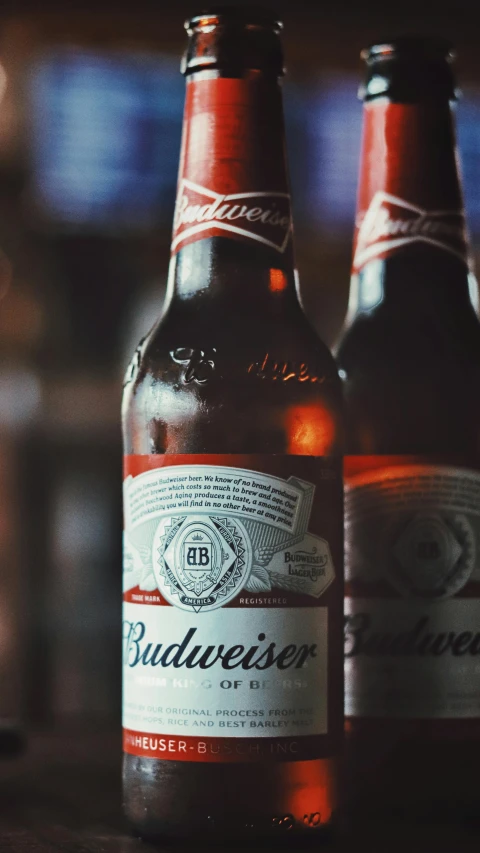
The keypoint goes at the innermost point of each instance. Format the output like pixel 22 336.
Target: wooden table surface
pixel 64 794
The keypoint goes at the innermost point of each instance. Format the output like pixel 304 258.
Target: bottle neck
pixel 232 232
pixel 410 224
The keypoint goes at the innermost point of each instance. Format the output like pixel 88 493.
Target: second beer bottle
pixel 411 357
pixel 233 671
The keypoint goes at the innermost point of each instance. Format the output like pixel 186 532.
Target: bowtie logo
pixel 261 216
pixel 390 223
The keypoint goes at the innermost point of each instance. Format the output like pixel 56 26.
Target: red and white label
pixel 232 610
pixel 261 216
pixel 391 223
pixel 409 189
pixel 412 612
pixel 232 178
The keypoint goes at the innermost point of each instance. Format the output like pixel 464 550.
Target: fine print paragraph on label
pixel 223 490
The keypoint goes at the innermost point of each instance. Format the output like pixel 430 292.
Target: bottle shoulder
pixel 411 392
pixel 282 347
pixel 414 308
pixel 410 340
pixel 232 385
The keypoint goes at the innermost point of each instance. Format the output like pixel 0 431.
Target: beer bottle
pixel 233 592
pixel 410 353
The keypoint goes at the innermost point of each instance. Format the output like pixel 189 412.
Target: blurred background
pixel 90 123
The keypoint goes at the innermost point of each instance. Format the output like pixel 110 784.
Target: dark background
pixel 90 126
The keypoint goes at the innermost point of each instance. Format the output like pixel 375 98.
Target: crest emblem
pixel 201 562
pixel 434 556
pixel 415 526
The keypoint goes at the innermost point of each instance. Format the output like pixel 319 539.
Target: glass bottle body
pixel 235 368
pixel 411 365
pixel 410 353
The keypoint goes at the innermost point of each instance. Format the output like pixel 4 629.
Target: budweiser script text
pixel 391 223
pixel 361 638
pixel 262 216
pixel 139 650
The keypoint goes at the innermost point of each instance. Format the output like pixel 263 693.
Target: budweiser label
pixel 232 179
pixel 409 659
pixel 227 613
pixel 262 216
pixel 412 615
pixel 407 194
pixel 391 223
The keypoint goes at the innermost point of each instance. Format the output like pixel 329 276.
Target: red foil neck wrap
pixel 409 190
pixel 232 178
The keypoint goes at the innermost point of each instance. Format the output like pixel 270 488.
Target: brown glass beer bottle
pixel 233 591
pixel 411 357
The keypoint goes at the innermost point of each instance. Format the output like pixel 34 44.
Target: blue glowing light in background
pixel 106 138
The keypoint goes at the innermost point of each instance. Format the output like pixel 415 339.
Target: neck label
pixel 391 223
pixel 232 177
pixel 409 189
pixel 261 216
